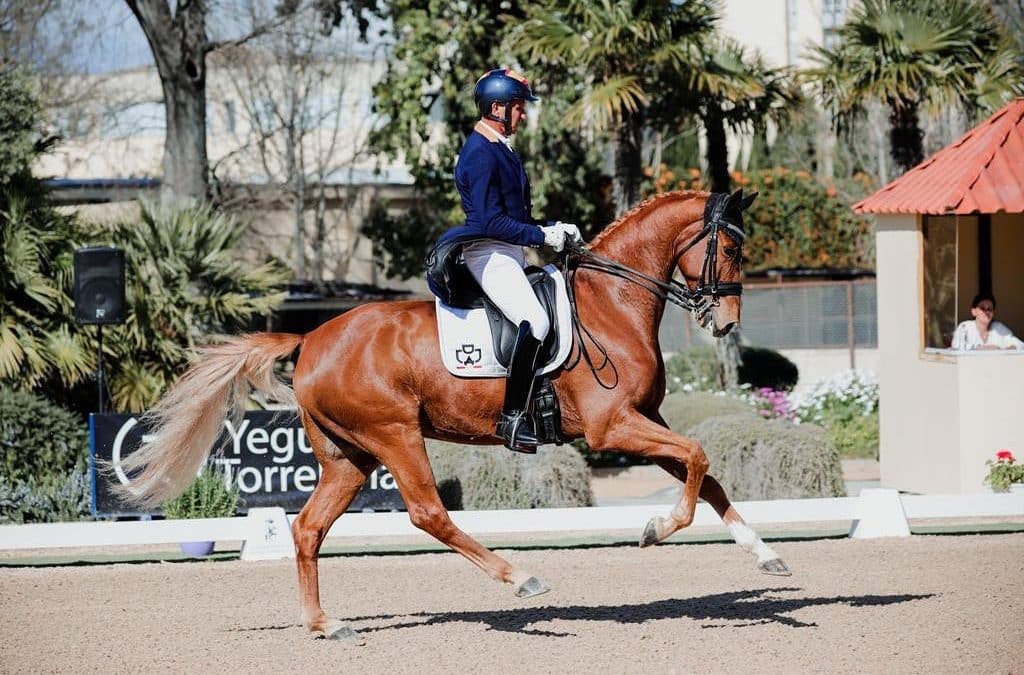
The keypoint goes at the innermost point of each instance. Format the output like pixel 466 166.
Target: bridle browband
pixel 697 301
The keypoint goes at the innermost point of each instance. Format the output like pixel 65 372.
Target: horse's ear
pixel 735 197
pixel 747 201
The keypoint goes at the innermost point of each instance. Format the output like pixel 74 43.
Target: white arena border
pixel 876 512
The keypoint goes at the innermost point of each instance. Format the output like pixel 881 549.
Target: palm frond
pixel 608 102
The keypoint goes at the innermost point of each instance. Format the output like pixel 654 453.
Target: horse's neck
pixel 646 241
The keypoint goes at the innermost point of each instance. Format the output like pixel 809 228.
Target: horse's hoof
pixel 650 533
pixel 344 634
pixel 531 587
pixel 775 567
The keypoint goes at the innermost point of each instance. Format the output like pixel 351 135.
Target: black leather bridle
pixel 698 301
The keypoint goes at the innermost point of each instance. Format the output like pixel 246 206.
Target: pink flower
pixel 1004 455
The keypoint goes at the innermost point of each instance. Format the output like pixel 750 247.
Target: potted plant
pixel 211 495
pixel 1004 474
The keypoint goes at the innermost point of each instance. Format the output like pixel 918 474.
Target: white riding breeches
pixel 498 267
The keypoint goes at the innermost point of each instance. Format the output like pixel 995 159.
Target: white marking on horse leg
pixel 750 542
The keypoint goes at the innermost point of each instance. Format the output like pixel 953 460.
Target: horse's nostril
pixel 726 329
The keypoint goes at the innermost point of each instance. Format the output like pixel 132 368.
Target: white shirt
pixel 494 135
pixel 967 336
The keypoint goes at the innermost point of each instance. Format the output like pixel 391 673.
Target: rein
pixel 698 301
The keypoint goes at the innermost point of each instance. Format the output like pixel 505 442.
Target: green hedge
pixel 683 411
pixel 755 458
pixel 698 367
pixel 481 478
pixel 856 437
pixel 44 453
pixel 39 440
pixel 58 499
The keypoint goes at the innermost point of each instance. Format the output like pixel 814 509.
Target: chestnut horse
pixel 369 386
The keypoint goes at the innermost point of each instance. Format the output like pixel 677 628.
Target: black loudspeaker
pixel 99 285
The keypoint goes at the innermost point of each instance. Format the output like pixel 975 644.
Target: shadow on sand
pixel 740 608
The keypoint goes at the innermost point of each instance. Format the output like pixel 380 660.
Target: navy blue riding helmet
pixel 503 86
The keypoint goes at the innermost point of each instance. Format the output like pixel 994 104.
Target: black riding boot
pixel 515 425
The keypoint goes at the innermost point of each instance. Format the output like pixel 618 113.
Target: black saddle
pixel 467 294
pixel 460 290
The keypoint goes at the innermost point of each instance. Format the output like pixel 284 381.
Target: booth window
pixel 965 255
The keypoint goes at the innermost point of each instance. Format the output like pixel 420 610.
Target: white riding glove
pixel 571 231
pixel 554 236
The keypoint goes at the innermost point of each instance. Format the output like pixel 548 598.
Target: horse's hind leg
pixel 405 455
pixel 712 492
pixel 343 476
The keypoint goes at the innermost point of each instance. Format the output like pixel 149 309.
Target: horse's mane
pixel 644 205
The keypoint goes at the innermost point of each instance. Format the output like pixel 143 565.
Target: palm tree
pixel 915 54
pixel 36 339
pixel 185 281
pixel 732 88
pixel 625 52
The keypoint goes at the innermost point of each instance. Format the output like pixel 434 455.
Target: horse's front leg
pixel 711 491
pixel 637 434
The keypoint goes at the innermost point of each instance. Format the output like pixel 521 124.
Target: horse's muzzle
pixel 724 330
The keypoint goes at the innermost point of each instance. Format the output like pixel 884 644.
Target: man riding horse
pixel 495 195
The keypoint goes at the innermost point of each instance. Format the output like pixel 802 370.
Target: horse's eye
pixel 731 252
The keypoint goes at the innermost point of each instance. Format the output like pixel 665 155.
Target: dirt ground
pixel 924 604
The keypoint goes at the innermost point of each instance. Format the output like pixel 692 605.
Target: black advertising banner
pixel 267 455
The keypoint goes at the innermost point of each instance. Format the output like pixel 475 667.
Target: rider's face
pixel 518 114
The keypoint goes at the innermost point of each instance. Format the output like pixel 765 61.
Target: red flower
pixel 1004 455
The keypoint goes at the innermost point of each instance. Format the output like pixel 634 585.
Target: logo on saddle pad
pixel 468 336
pixel 468 355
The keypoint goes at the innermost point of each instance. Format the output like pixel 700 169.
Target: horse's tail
pixel 188 419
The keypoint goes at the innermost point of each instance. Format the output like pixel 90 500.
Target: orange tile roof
pixel 982 172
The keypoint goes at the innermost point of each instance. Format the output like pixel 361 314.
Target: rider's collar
pixel 492 135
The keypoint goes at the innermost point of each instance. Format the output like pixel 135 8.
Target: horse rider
pixel 495 194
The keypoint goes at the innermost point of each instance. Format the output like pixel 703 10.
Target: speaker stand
pixel 99 366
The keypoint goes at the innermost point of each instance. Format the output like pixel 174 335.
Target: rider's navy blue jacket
pixel 495 196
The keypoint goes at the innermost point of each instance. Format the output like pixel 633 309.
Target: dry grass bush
pixel 481 478
pixel 755 458
pixel 683 411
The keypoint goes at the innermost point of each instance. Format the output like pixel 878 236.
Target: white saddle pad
pixel 467 349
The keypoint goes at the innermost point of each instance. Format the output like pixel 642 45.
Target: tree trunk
pixel 628 163
pixel 718 149
pixel 905 135
pixel 179 45
pixel 727 353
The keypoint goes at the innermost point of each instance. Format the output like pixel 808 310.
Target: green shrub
pixel 847 405
pixel 39 441
pixel 44 455
pixel 856 437
pixel 209 496
pixel 756 458
pixel 767 368
pixel 481 478
pixel 59 499
pixel 683 411
pixel 696 369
